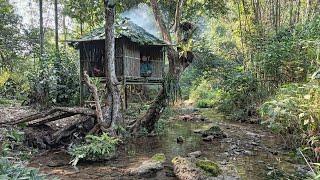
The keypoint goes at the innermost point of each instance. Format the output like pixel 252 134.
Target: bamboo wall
pixel 127 58
pixel 131 59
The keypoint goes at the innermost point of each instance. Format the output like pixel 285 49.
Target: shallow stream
pixel 249 151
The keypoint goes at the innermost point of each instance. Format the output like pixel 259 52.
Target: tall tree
pixel 41 31
pixel 112 112
pixel 56 26
pixel 177 65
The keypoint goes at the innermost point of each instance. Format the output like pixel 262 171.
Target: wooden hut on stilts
pixel 139 57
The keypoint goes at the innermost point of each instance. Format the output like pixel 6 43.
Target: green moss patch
pixel 215 129
pixel 210 167
pixel 160 157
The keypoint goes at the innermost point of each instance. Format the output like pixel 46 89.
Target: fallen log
pixel 43 116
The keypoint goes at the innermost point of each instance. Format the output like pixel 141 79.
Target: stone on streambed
pixel 191 168
pixel 184 169
pixel 193 117
pixel 212 133
pixel 149 167
pixel 180 139
pixel 209 167
pixel 195 154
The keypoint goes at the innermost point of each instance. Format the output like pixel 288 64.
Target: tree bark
pixel 94 91
pixel 112 112
pixel 41 32
pixel 160 23
pixel 56 26
pixel 177 19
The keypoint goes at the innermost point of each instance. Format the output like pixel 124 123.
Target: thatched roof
pixel 123 28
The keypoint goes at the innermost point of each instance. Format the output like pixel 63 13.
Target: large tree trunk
pixel 177 65
pixel 112 111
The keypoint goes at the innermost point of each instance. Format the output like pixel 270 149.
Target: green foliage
pixel 90 12
pixel 55 82
pixel 240 95
pixel 13 85
pixel 204 95
pixel 317 175
pixel 9 170
pixel 12 140
pixel 15 135
pixel 12 145
pixel 289 55
pixel 11 36
pixel 95 148
pixel 294 113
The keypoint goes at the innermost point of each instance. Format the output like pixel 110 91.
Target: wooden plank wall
pixel 119 57
pixel 131 59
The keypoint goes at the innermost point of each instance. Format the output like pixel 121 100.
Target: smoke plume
pixel 142 16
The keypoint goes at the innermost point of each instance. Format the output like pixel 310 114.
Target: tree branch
pixel 160 23
pixel 177 19
pixel 94 91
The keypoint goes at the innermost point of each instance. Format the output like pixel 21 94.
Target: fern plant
pixel 95 148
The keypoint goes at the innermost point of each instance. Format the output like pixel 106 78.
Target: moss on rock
pixel 160 157
pixel 210 167
pixel 214 131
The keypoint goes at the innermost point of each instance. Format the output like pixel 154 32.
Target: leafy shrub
pixel 204 103
pixel 94 149
pixel 13 85
pixel 294 113
pixel 10 170
pixel 239 96
pixel 203 94
pixel 55 83
pixel 12 139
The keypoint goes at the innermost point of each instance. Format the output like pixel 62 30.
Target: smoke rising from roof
pixel 142 16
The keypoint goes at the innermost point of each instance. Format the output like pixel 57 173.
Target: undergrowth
pixel 11 170
pixel 95 148
pixel 294 113
pixel 14 154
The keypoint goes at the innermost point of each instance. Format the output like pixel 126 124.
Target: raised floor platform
pixel 143 80
pixel 139 80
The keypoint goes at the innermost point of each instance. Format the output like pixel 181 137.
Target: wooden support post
pixel 164 50
pixel 81 79
pixel 125 97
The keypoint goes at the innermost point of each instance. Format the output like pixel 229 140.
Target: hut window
pixel 145 66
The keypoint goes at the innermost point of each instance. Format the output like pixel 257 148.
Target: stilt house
pixel 139 56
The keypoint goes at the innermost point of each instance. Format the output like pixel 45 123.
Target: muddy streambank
pixel 248 151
